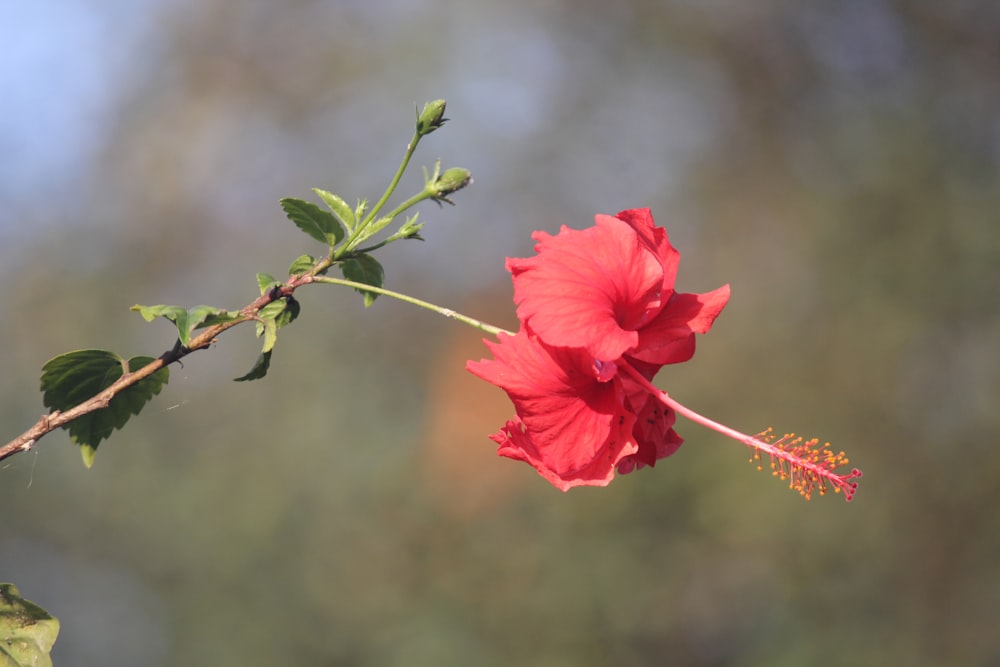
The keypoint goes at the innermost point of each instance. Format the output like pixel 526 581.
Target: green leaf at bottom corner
pixel 74 377
pixel 27 632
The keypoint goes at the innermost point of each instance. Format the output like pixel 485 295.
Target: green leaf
pixel 267 324
pixel 74 377
pixel 27 632
pixel 265 281
pixel 198 317
pixel 219 317
pixel 291 311
pixel 371 230
pixel 272 317
pixel 314 221
pixel 301 265
pixel 271 311
pixel 339 207
pixel 259 369
pixel 270 330
pixel 364 269
pixel 284 311
pixel 150 313
pixel 187 320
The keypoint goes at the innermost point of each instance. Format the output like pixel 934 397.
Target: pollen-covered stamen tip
pixel 806 464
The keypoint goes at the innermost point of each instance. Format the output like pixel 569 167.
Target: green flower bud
pixel 452 180
pixel 431 118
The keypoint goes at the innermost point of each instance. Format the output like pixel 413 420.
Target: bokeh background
pixel 836 162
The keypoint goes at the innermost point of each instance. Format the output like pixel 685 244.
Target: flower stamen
pixel 807 465
pixel 804 463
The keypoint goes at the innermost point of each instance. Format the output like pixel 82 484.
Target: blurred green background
pixel 836 162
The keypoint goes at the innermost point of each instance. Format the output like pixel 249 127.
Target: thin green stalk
pixel 412 201
pixel 440 310
pixel 410 148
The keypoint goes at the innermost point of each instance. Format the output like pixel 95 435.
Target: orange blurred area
pixel 461 470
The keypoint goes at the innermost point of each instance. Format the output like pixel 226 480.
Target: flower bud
pixel 431 118
pixel 452 180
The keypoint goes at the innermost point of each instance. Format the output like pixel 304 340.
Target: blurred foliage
pixel 27 632
pixel 837 163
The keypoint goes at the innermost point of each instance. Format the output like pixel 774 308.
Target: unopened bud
pixel 431 118
pixel 452 180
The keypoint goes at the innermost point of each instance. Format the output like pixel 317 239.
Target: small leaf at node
pixel 199 317
pixel 150 313
pixel 314 221
pixel 339 207
pixel 176 314
pixel 267 326
pixel 272 310
pixel 283 311
pixel 301 265
pixel 265 281
pixel 364 269
pixel 187 320
pixel 291 311
pixel 220 317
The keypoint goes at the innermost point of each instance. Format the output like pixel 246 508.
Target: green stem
pixel 410 148
pixel 348 245
pixel 440 310
pixel 412 201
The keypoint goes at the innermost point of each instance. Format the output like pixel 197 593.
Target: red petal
pixel 669 339
pixel 578 428
pixel 656 240
pixel 591 288
pixel 516 443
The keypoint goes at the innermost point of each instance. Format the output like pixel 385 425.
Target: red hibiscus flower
pixel 588 301
pixel 599 318
pixel 610 290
